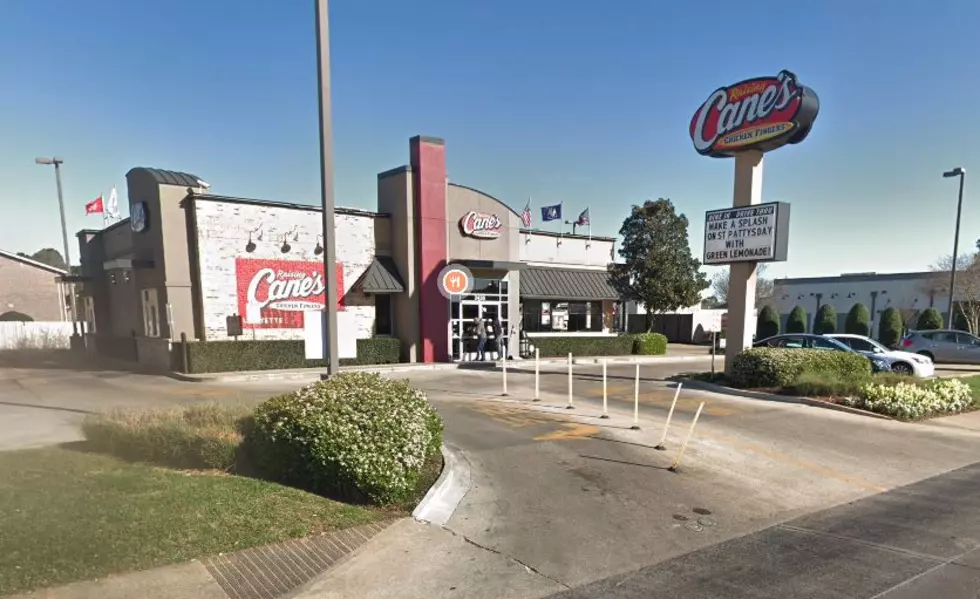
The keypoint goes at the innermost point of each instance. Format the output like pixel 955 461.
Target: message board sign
pixel 756 233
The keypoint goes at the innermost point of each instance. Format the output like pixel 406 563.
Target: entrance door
pixel 463 328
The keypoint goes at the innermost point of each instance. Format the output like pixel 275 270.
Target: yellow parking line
pixel 802 464
pixel 572 431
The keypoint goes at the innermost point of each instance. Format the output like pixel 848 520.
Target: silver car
pixel 943 345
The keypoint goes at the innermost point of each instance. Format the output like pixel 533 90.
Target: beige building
pixel 189 262
pixel 32 289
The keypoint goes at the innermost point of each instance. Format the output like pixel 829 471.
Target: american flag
pixel 583 219
pixel 526 215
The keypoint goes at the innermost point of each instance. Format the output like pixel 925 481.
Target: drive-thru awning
pixel 567 284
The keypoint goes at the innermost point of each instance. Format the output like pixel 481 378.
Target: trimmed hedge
pixel 233 356
pixel 649 344
pixel 775 367
pixel 620 345
pixel 796 322
pixel 929 319
pixel 890 327
pixel 858 320
pixel 767 324
pixel 825 322
pixel 356 435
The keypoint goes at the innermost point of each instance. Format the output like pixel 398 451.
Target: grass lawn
pixel 974 383
pixel 68 515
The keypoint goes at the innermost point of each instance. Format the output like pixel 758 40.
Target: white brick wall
pixel 223 232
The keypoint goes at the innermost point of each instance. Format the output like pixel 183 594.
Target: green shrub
pixel 819 384
pixel 890 327
pixel 911 401
pixel 619 345
pixel 767 325
pixel 13 316
pixel 960 322
pixel 233 356
pixel 796 323
pixel 776 367
pixel 649 344
pixel 858 320
pixel 929 319
pixel 825 321
pixel 356 435
pixel 197 436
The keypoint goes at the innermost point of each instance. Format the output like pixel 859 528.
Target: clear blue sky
pixel 563 100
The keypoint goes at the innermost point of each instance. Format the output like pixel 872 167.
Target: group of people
pixel 483 328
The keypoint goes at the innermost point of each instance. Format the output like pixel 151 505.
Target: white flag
pixel 112 206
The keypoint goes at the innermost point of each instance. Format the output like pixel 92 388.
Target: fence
pixel 35 335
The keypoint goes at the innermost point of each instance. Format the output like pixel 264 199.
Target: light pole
pixel 57 162
pixel 326 186
pixel 961 173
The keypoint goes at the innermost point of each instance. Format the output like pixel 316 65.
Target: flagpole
pixel 588 210
pixel 561 229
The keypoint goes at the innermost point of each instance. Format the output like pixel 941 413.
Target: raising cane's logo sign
pixel 481 225
pixel 273 294
pixel 756 114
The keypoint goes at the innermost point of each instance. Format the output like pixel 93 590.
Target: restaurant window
pixel 382 314
pixel 545 316
pixel 151 313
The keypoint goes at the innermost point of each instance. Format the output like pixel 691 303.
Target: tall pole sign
pixel 743 121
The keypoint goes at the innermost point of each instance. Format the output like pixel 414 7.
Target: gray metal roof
pixel 567 284
pixel 165 177
pixel 381 277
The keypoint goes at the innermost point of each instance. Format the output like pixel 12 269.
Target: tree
pixel 658 269
pixel 768 323
pixel 796 323
pixel 711 302
pixel 825 321
pixel 929 319
pixel 966 294
pixel 858 320
pixel 890 327
pixel 49 256
pixel 721 282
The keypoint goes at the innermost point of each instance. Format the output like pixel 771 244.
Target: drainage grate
pixel 272 570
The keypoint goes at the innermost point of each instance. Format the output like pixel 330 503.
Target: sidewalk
pixel 675 353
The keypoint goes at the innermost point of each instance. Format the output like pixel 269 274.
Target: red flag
pixel 95 206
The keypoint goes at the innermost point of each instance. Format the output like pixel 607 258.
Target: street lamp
pixel 326 187
pixel 57 162
pixel 961 173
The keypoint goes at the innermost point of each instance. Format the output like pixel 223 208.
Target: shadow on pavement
pixel 63 359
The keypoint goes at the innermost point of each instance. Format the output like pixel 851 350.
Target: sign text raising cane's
pixel 273 294
pixel 481 225
pixel 756 114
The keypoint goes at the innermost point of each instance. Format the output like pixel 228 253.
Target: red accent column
pixel 428 156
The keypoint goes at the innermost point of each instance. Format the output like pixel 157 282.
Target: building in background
pixel 190 262
pixel 909 292
pixel 32 289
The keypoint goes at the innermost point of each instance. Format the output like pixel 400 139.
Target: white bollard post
pixel 605 398
pixel 537 374
pixel 636 400
pixel 690 433
pixel 663 439
pixel 570 405
pixel 505 377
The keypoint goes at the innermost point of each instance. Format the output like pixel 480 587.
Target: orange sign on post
pixel 455 279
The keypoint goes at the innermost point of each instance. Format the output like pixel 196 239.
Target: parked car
pixel 808 341
pixel 902 362
pixel 943 345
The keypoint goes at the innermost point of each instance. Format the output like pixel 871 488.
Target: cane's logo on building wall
pixel 756 114
pixel 481 225
pixel 273 294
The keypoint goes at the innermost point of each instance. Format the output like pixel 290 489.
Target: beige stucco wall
pixel 566 251
pixel 30 290
pixel 460 201
pixel 395 199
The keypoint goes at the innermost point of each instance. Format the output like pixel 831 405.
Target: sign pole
pixel 741 291
pixel 714 342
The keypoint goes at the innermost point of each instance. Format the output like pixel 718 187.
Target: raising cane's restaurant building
pixel 190 262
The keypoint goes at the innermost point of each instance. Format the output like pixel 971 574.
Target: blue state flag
pixel 551 212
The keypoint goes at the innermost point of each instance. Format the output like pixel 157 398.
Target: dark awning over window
pixel 381 277
pixel 566 284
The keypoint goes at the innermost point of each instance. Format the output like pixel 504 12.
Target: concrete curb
pixel 315 374
pixel 808 401
pixel 444 496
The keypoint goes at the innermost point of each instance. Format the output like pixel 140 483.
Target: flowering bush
pixel 775 367
pixel 357 434
pixel 910 401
